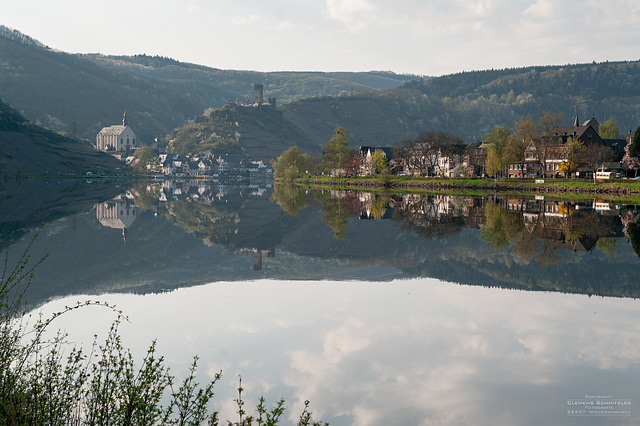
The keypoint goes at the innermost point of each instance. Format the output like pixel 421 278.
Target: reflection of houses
pixel 119 213
pixel 576 226
pixel 117 138
pixel 206 191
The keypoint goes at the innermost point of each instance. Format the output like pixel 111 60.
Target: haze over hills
pixel 79 94
pixel 55 88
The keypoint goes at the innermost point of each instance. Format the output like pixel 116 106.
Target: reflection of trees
pixel 429 216
pixel 501 227
pixel 215 224
pixel 607 245
pixel 634 236
pixel 379 207
pixel 147 196
pixel 290 198
pixel 631 228
pixel 336 215
pixel 536 229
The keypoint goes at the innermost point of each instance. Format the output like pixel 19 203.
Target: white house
pixel 117 138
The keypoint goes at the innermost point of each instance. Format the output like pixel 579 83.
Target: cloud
pixel 246 20
pixel 356 15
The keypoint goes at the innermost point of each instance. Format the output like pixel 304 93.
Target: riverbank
pixel 615 188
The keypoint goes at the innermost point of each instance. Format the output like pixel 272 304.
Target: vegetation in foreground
pixel 48 381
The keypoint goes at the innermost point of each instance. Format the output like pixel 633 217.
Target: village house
pixel 545 158
pixel 117 138
pixel 474 159
pixel 447 165
pixel 366 155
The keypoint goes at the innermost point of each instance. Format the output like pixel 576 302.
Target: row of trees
pixel 419 154
pixel 336 155
pixel 531 145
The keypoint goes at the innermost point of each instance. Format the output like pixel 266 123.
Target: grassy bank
pixel 627 190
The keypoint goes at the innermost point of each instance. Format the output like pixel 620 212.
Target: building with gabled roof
pixel 117 138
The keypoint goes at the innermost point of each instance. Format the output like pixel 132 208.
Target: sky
pixel 420 37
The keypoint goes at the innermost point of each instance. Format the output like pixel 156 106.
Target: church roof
pixel 113 130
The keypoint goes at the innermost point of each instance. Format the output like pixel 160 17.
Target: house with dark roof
pixel 555 150
pixel 475 158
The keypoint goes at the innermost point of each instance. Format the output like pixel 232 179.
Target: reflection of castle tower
pixel 257 260
pixel 118 213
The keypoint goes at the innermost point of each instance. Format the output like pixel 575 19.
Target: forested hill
pixel 80 94
pixel 27 149
pixel 83 93
pixel 602 90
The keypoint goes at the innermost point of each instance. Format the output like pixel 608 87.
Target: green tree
pixel 291 164
pixel 335 151
pixel 634 148
pixel 145 156
pixel 546 144
pixel 379 161
pixel 610 129
pixel 495 142
pixel 575 156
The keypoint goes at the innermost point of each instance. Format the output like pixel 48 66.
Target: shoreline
pixel 617 188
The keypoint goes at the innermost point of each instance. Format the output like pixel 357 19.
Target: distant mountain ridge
pixel 79 94
pixel 54 88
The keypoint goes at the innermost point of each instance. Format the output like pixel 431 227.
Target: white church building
pixel 117 138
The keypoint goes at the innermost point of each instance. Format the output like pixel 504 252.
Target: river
pixel 378 308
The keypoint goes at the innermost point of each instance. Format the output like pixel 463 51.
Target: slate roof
pixel 113 130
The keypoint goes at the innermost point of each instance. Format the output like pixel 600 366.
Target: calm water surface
pixel 379 309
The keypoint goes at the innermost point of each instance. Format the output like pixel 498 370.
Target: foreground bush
pixel 47 381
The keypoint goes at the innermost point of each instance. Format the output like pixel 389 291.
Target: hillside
pixel 466 104
pixel 597 89
pixel 28 149
pixel 81 94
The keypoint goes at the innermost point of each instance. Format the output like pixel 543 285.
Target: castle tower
pixel 259 93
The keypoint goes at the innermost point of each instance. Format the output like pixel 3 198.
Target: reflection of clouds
pixel 405 352
pixel 438 367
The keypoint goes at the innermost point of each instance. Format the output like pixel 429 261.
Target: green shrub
pixel 48 381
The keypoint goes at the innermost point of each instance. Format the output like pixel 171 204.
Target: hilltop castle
pixel 258 99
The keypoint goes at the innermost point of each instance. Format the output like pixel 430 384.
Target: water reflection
pixel 380 308
pixel 180 233
pixel 118 213
pixel 404 352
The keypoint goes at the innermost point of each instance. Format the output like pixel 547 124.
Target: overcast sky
pixel 424 37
